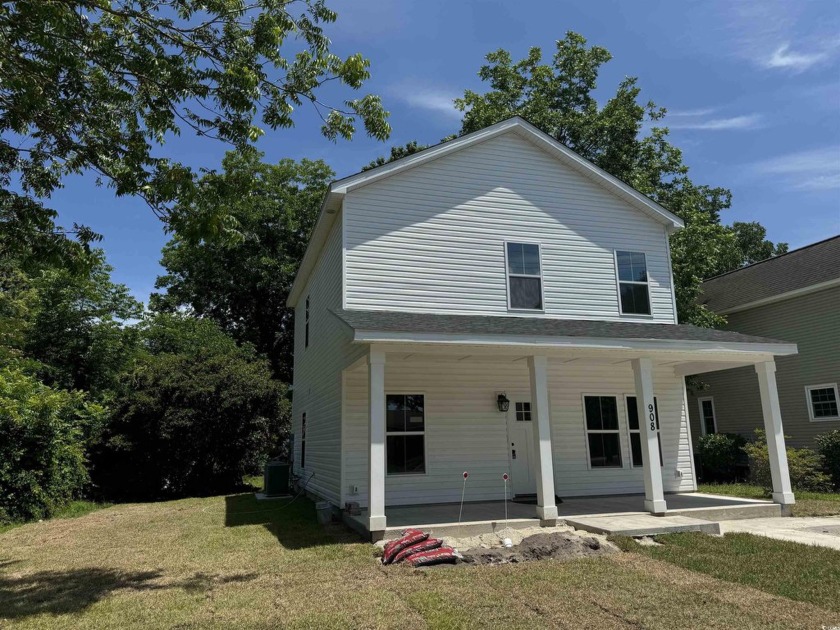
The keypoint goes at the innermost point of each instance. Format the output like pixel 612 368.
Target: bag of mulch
pixel 409 537
pixel 441 555
pixel 424 545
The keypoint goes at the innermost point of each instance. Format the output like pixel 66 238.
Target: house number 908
pixel 652 417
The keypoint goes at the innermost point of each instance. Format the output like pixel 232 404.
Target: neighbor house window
pixel 822 402
pixel 636 434
pixel 406 433
pixel 708 422
pixel 306 324
pixel 303 440
pixel 602 437
pixel 524 276
pixel 633 289
pixel 523 412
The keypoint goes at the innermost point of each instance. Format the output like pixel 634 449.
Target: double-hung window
pixel 524 273
pixel 636 433
pixel 405 417
pixel 602 434
pixel 633 288
pixel 306 324
pixel 822 402
pixel 708 422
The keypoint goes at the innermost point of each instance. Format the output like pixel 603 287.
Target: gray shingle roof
pixel 798 269
pixel 425 323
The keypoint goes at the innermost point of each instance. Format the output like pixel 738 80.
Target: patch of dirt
pixel 557 546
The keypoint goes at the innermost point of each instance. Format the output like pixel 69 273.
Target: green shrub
pixel 718 455
pixel 805 467
pixel 828 446
pixel 43 434
pixel 195 415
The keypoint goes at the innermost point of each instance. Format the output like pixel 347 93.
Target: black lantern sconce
pixel 503 402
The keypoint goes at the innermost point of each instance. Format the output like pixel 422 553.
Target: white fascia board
pixel 326 217
pixel 782 296
pixel 606 343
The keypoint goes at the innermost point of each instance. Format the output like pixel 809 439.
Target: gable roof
pixel 339 188
pixel 800 271
pixel 399 325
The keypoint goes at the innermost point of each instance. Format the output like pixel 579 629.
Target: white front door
pixel 521 447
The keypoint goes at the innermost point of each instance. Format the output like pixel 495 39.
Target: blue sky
pixel 752 89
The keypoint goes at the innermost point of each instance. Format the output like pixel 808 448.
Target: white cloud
pixel 817 169
pixel 424 96
pixel 733 123
pixel 784 57
pixel 691 113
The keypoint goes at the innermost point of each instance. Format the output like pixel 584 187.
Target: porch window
pixel 822 402
pixel 633 288
pixel 708 422
pixel 405 434
pixel 636 434
pixel 523 412
pixel 602 435
pixel 524 276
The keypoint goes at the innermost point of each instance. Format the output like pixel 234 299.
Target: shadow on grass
pixel 63 592
pixel 293 523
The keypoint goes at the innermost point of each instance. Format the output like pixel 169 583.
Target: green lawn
pixel 223 562
pixel 73 509
pixel 788 569
pixel 807 503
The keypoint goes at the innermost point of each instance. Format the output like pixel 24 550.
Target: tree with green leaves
pixel 627 137
pixel 98 85
pixel 242 283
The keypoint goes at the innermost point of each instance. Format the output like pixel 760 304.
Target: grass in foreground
pixel 233 561
pixel 807 503
pixel 792 570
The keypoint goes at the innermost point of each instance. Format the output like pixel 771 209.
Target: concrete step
pixel 641 524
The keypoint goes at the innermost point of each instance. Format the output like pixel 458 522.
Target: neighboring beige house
pixel 795 297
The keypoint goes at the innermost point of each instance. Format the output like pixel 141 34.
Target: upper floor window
pixel 633 289
pixel 306 324
pixel 524 276
pixel 822 402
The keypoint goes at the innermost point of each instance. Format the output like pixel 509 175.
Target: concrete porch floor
pixel 489 516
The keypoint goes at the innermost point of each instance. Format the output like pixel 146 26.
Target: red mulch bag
pixel 435 556
pixel 424 545
pixel 409 537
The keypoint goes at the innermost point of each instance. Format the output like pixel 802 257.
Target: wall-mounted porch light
pixel 503 402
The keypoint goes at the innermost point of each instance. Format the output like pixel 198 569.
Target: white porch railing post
pixel 782 491
pixel 541 420
pixel 376 461
pixel 651 471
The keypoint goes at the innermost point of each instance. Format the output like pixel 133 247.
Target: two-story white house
pixel 499 305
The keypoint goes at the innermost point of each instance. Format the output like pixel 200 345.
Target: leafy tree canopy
pixel 242 285
pixel 98 84
pixel 627 138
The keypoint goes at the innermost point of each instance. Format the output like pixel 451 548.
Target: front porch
pixel 482 517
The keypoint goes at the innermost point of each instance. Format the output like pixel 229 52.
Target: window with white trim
pixel 524 273
pixel 636 432
pixel 708 422
pixel 405 418
pixel 523 412
pixel 603 441
pixel 633 287
pixel 303 440
pixel 822 402
pixel 306 324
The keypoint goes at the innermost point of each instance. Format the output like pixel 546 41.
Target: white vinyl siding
pixel 431 238
pixel 465 431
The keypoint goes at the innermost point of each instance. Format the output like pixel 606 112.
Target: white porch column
pixel 376 460
pixel 546 504
pixel 654 495
pixel 782 492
